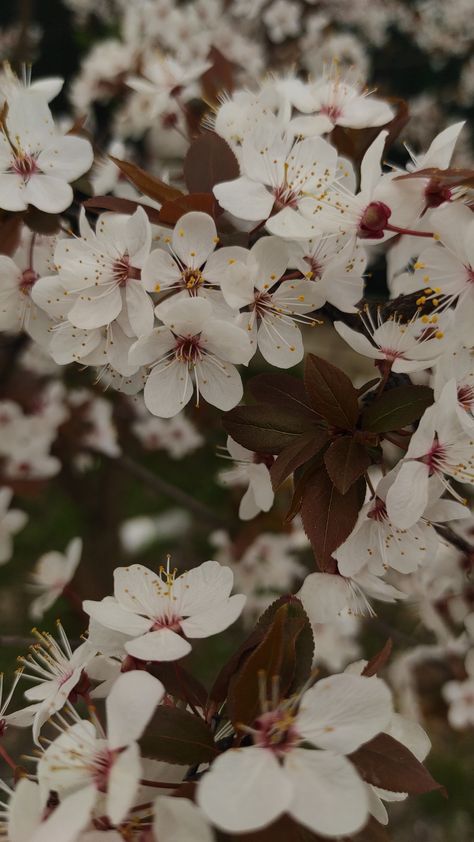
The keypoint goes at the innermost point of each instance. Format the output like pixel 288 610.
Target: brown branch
pixel 167 489
pixel 453 538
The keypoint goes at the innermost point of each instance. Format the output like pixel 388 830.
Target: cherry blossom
pixel 248 470
pixel 103 269
pixel 377 543
pixel 403 346
pixel 335 266
pixel 276 173
pixel 248 788
pixel 190 267
pixel 52 573
pixel 158 612
pixel 107 765
pixel 193 349
pixel 37 163
pixel 56 671
pixel 440 446
pixel 459 695
pixel 274 312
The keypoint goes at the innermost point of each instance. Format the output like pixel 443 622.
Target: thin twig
pixel 453 538
pixel 167 489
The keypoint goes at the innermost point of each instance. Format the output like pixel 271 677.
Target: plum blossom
pixel 102 269
pixel 341 102
pixel 440 446
pixel 376 543
pixel 403 346
pixel 272 313
pixel 380 209
pixel 106 765
pixel 446 267
pixel 190 266
pixel 457 362
pixel 283 20
pixel 51 575
pixel 297 762
pixel 24 819
pixel 177 436
pixel 56 671
pixel 32 259
pixel 249 470
pixel 37 162
pixel 276 173
pixel 158 612
pixel 192 350
pixel 11 522
pixel 335 266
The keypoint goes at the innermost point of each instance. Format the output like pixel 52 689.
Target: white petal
pixel 122 784
pixel 12 192
pixel 214 620
pixel 179 820
pixel 160 271
pixel 245 789
pixel 194 238
pixel 67 158
pixel 112 616
pixel 244 198
pixel 329 797
pixel 69 817
pixel 408 497
pixel 169 389
pixel 96 307
pixel 130 705
pixel 160 645
pixel 49 194
pixel 271 256
pixel 357 341
pixel 344 711
pixel 139 308
pixel 219 383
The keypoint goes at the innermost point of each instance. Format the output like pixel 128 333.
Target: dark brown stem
pixel 157 784
pixel 456 540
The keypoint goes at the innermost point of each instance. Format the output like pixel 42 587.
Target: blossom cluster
pixel 164 287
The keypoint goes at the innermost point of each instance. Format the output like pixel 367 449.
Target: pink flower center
pixel 378 511
pixel 285 197
pixel 188 348
pixel 172 622
pixel 263 302
pixel 436 457
pixel 102 764
pixel 276 731
pixel 466 397
pixel 192 280
pixel 391 354
pixel 24 166
pixel 123 272
pixel 28 280
pixel 373 221
pixel 314 265
pixel 332 111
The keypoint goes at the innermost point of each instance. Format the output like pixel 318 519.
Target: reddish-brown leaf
pixel 219 78
pixel 177 736
pixel 209 160
pixel 329 516
pixel 378 661
pixel 264 428
pixel 450 177
pixel 119 205
pixel 283 390
pixel 243 701
pixel 346 460
pixel 395 408
pixel 296 454
pixel 330 392
pixel 386 763
pixel 146 183
pixel 10 229
pixel 172 211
